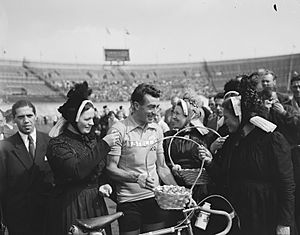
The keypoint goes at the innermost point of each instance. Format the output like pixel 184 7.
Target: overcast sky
pixel 155 31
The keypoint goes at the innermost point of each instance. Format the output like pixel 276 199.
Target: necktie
pixel 31 146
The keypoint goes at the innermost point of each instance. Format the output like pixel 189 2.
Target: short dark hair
pixel 111 113
pixel 141 90
pixel 20 104
pixel 295 78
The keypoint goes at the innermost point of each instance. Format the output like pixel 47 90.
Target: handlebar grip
pixel 229 221
pixel 217 212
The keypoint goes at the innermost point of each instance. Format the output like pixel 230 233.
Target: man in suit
pixel 294 119
pixel 269 94
pixel 295 88
pixel 215 120
pixel 25 176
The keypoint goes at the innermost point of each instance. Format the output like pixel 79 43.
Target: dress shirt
pixel 25 138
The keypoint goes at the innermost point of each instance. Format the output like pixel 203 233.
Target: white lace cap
pixel 81 108
pixel 230 94
pixel 236 104
pixel 58 127
pixel 263 124
pixel 184 106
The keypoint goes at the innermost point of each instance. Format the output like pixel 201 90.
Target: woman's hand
pixel 217 144
pixel 111 139
pixel 175 170
pixel 105 190
pixel 283 230
pixel 204 154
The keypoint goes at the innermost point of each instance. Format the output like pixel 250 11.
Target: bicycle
pixel 93 226
pixel 186 224
pixel 192 207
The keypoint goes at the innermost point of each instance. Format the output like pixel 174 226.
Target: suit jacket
pixel 24 184
pixel 212 122
pixel 283 98
pixel 295 105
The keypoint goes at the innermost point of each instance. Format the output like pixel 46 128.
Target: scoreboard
pixel 116 55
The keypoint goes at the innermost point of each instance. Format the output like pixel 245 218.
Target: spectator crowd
pixel 246 140
pixel 121 89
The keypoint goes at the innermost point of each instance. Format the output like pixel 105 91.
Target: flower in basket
pixel 172 197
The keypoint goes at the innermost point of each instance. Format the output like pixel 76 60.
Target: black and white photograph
pixel 144 117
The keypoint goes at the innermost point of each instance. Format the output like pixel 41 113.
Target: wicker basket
pixel 170 197
pixel 189 176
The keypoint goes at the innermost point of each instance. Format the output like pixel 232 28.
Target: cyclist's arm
pixel 163 170
pixel 118 174
pixel 114 172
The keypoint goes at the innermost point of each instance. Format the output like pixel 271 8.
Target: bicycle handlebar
pixel 217 212
pixel 165 230
pixel 174 228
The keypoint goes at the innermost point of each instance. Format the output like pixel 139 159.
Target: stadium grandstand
pixel 50 81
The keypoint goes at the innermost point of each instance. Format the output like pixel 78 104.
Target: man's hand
pixel 150 184
pixel 278 107
pixel 146 182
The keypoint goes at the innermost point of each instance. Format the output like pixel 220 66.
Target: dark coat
pixel 24 184
pixel 289 125
pixel 78 164
pixel 185 154
pixel 255 173
pixel 212 122
pixel 282 98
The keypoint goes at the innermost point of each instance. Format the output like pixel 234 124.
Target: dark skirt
pixel 65 208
